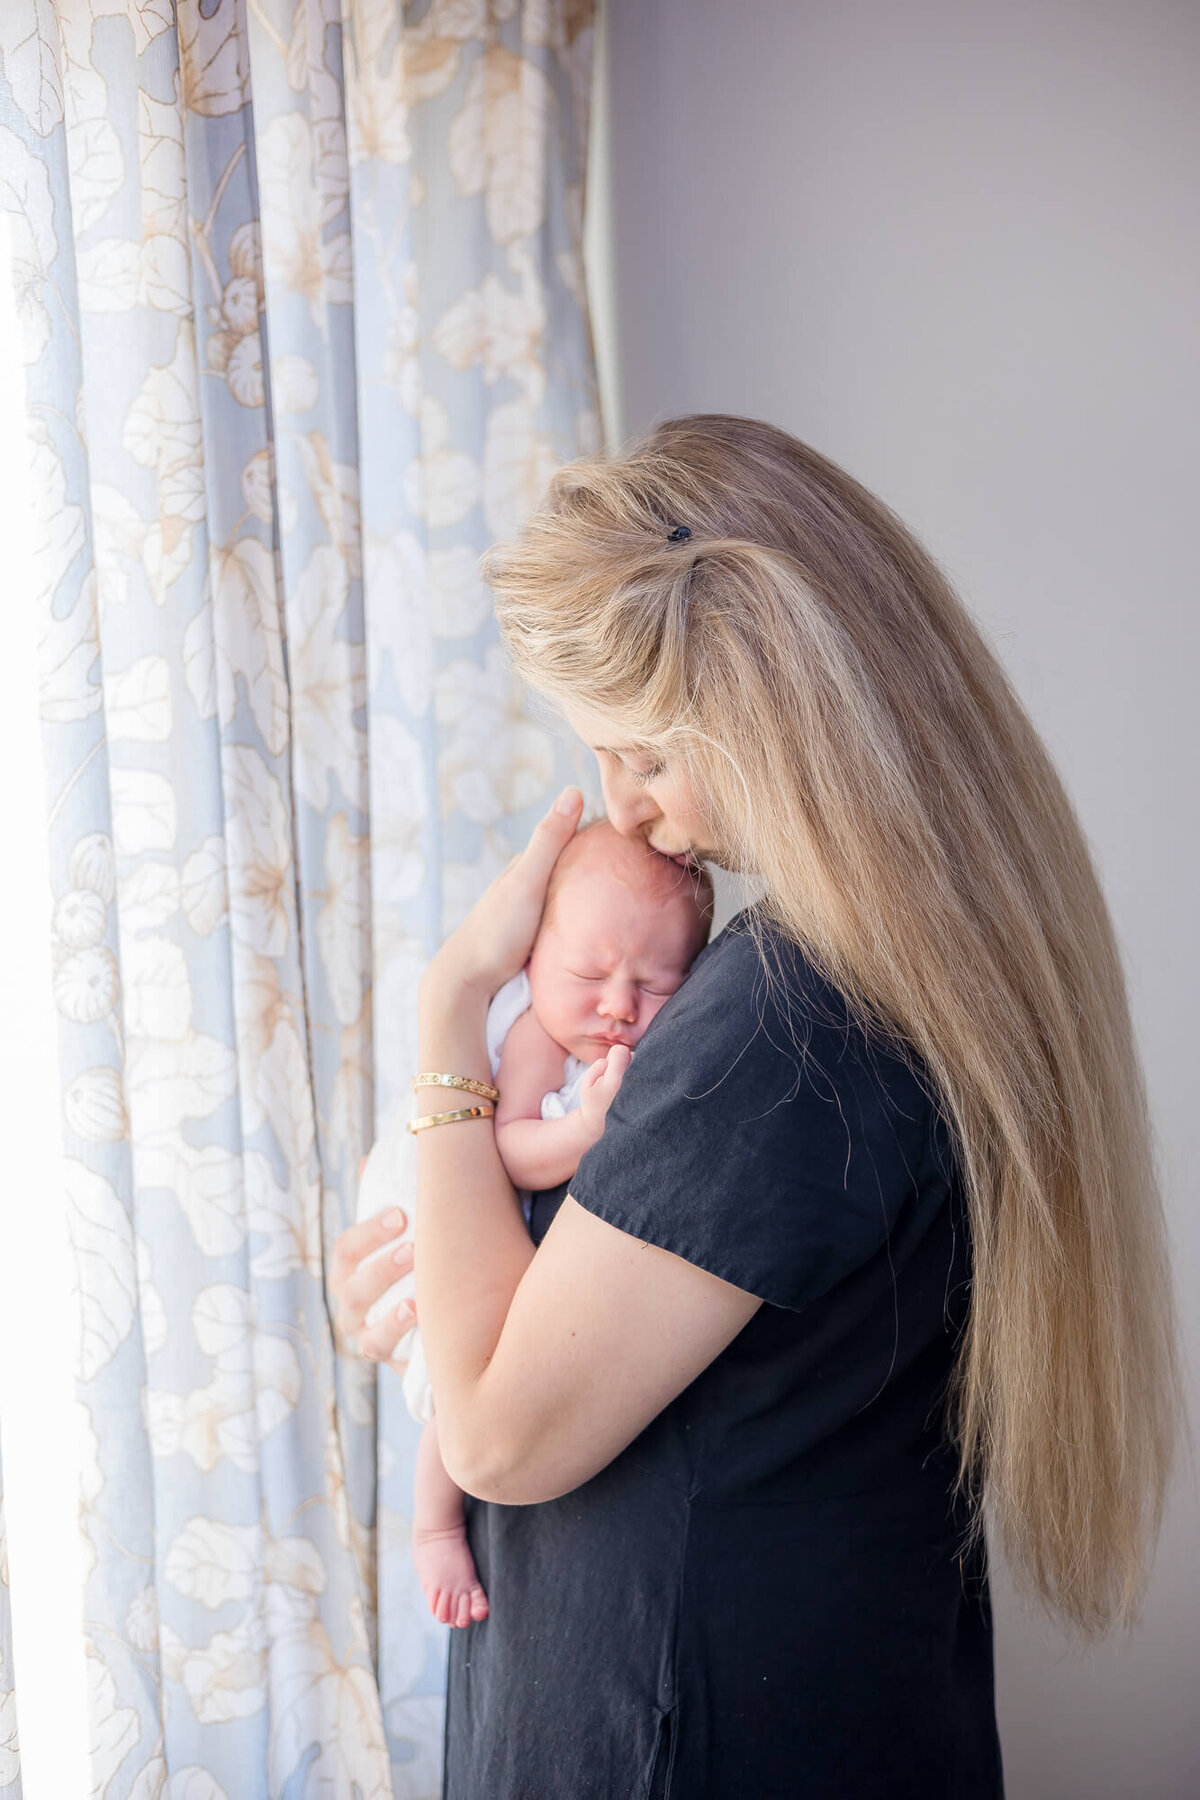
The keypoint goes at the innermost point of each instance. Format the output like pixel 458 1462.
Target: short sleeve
pixel 757 1132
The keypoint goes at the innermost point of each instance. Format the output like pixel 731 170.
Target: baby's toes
pixel 463 1616
pixel 441 1607
pixel 479 1605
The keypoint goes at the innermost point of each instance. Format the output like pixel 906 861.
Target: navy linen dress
pixel 762 1597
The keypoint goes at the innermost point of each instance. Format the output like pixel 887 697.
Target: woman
pixel 871 1247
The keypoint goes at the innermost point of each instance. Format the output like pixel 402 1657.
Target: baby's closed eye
pixel 657 992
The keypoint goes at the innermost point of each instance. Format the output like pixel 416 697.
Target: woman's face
pixel 644 799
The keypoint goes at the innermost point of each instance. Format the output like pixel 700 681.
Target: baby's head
pixel 621 928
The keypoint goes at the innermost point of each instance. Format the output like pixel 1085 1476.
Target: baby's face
pixel 607 959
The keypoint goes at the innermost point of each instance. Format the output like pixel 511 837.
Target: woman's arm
pixel 545 1364
pixel 491 945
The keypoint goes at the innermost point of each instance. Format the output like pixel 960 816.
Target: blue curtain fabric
pixel 304 325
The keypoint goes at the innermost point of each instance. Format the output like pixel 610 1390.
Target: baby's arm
pixel 537 1153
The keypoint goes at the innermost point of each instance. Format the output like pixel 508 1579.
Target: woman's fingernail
pixel 393 1218
pixel 402 1253
pixel 566 801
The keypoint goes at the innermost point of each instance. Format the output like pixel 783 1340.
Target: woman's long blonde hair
pixel 805 663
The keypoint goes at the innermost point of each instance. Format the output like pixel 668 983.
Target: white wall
pixel 955 247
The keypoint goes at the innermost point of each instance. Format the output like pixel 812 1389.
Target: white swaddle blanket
pixel 389 1177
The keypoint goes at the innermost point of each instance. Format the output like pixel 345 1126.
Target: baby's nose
pixel 619 1002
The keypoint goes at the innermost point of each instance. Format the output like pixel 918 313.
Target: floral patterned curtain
pixel 305 329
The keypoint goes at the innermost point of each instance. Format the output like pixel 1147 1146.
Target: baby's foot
pixel 448 1574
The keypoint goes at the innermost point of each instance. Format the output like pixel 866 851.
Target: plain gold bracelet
pixel 450 1118
pixel 467 1082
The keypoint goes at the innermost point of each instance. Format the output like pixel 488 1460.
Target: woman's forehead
pixel 598 732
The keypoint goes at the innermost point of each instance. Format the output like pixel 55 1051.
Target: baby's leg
pixel 441 1555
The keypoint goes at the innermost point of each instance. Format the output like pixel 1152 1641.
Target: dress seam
pixel 672 1705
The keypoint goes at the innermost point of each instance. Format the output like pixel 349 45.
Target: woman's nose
pixel 628 806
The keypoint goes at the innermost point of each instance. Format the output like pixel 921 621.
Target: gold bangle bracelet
pixel 450 1118
pixel 467 1082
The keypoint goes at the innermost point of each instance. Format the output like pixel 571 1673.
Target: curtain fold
pixel 10 1755
pixel 305 329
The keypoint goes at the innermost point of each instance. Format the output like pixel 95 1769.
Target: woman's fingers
pixel 551 835
pixel 368 1283
pixel 495 938
pixel 377 1342
pixel 359 1240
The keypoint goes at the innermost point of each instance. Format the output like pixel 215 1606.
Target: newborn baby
pixel 620 930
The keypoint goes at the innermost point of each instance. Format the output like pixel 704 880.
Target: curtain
pixel 10 1761
pixel 304 326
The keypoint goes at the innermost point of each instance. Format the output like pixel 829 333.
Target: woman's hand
pixel 355 1286
pixel 494 940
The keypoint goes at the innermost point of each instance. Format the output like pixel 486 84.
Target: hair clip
pixel 679 534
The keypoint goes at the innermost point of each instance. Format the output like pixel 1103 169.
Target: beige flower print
pixel 480 708
pixel 141 1620
pixel 226 1679
pixel 244 627
pixel 328 684
pixel 94 1106
pixel 388 72
pixel 303 183
pixel 163 434
pixel 258 833
pixel 233 348
pixel 442 484
pixel 517 465
pixel 31 49
pixel 101 1237
pixel 399 608
pixel 113 1729
pixel 502 331
pixel 214 63
pixel 26 201
pixel 344 922
pixel 254 1386
pixel 334 487
pixel 401 363
pixel 497 141
pixel 399 813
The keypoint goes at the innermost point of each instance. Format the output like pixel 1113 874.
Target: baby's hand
pixel 600 1085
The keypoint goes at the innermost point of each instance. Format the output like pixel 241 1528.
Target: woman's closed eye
pixel 641 776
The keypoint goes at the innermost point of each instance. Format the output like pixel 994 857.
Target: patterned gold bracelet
pixel 449 1118
pixel 467 1082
